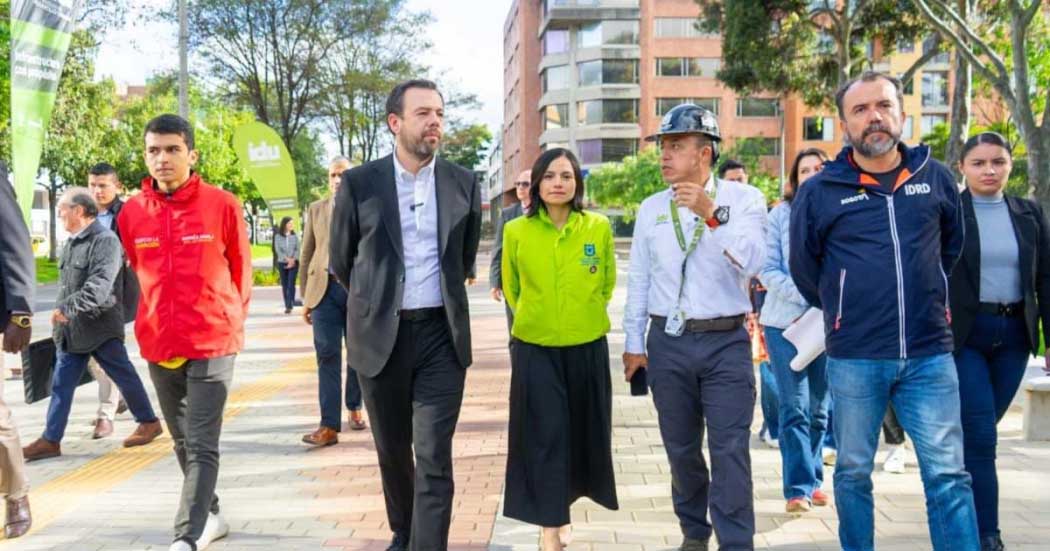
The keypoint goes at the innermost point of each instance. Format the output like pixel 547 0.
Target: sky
pixel 467 53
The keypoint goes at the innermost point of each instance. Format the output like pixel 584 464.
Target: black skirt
pixel 560 442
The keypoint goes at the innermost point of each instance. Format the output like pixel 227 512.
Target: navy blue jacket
pixel 877 264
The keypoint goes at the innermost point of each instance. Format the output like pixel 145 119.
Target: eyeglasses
pixel 522 184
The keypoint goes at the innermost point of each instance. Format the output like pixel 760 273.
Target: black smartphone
pixel 639 383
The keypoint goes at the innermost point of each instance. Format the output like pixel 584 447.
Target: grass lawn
pixel 46 272
pixel 262 251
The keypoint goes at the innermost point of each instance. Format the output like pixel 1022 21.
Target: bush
pixel 266 278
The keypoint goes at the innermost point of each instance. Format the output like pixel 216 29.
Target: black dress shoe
pixel 992 543
pixel 689 544
pixel 399 543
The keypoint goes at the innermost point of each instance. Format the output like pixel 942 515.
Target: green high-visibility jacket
pixel 558 282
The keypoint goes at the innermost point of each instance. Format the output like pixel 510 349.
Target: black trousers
pixel 414 404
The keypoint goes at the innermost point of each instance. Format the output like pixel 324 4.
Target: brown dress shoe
pixel 18 518
pixel 323 436
pixel 103 428
pixel 41 449
pixel 357 420
pixel 144 434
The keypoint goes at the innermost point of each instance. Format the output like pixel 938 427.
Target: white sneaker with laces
pixel 215 529
pixel 895 461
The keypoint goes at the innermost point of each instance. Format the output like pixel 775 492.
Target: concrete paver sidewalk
pixel 277 494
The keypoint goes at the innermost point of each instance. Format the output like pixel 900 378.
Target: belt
pixel 998 309
pixel 421 314
pixel 727 323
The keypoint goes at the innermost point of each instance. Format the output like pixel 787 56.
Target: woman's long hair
pixel 792 187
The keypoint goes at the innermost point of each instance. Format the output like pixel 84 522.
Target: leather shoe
pixel 122 406
pixel 41 448
pixel 689 544
pixel 399 543
pixel 357 420
pixel 323 436
pixel 18 518
pixel 103 428
pixel 144 434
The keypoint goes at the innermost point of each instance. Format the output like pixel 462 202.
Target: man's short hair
pixel 730 164
pixel 340 159
pixel 171 124
pixel 868 76
pixel 77 196
pixel 395 102
pixel 103 169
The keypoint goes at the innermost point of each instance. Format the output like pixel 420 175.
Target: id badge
pixel 675 325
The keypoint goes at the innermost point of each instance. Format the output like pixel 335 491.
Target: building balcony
pixel 563 13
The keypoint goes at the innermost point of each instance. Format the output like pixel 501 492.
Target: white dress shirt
pixel 417 203
pixel 717 272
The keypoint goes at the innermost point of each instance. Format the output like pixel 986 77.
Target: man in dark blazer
pixel 404 237
pixel 17 288
pixel 521 189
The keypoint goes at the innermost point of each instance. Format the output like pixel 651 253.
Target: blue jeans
pixel 829 435
pixel 991 365
pixel 804 401
pixel 329 325
pixel 768 400
pixel 288 276
pixel 112 357
pixel 925 394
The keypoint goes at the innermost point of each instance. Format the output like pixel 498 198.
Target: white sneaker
pixel 181 545
pixel 768 440
pixel 829 455
pixel 215 529
pixel 895 461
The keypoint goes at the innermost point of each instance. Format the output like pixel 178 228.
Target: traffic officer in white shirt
pixel 695 247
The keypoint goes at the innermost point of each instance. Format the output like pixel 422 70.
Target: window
pixel 677 27
pixel 687 66
pixel 757 107
pixel 908 129
pixel 934 89
pixel 556 116
pixel 663 105
pixel 928 122
pixel 905 46
pixel 610 111
pixel 939 59
pixel 605 151
pixel 909 87
pixel 607 32
pixel 555 78
pixel 608 71
pixel 555 41
pixel 821 129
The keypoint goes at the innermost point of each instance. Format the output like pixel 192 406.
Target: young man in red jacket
pixel 188 244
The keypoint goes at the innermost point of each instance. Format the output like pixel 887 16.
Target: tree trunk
pixel 52 197
pixel 1038 146
pixel 961 104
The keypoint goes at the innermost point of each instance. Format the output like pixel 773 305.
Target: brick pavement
pixel 279 495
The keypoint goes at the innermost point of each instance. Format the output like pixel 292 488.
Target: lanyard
pixel 687 249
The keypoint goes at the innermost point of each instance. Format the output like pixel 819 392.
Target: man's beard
pixel 877 149
pixel 421 148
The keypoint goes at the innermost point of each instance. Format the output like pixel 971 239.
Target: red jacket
pixel 191 254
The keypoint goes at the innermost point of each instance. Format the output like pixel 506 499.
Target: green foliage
pixel 749 152
pixel 265 278
pixel 311 174
pixel 626 184
pixel 5 82
pixel 466 146
pixel 796 46
pixel 46 270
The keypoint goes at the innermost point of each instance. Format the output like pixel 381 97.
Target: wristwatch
pixel 22 320
pixel 720 216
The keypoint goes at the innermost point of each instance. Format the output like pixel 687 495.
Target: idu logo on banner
pixel 264 153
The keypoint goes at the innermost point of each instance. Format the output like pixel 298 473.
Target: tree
pixel 626 184
pixel 749 152
pixel 466 146
pixel 1015 62
pixel 271 53
pixel 5 82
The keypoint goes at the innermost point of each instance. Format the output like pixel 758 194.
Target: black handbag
pixel 38 368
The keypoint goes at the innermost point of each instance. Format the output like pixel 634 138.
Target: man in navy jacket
pixel 873 239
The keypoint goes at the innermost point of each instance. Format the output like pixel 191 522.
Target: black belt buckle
pixel 420 314
pixel 1010 310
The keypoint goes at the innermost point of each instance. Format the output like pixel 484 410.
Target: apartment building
pixel 596 76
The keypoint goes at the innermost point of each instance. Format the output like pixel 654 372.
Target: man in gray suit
pixel 17 287
pixel 405 233
pixel 521 189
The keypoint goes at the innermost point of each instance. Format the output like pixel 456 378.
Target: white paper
pixel 807 334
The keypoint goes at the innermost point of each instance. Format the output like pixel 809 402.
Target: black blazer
pixel 17 267
pixel 1033 244
pixel 367 255
pixel 496 268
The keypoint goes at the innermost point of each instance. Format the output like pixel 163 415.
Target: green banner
pixel 262 154
pixel 40 34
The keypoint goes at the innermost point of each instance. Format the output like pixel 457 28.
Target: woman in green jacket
pixel 559 271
